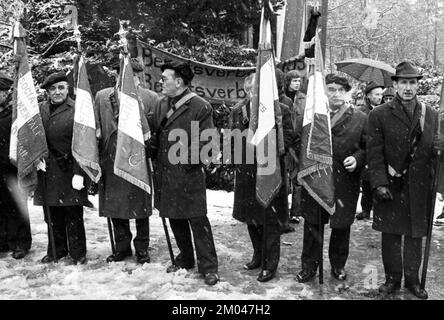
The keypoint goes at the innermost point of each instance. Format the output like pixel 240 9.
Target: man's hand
pixel 438 145
pixel 77 182
pixel 41 165
pixel 383 193
pixel 350 164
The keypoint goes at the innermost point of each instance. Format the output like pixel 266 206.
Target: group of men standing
pixel 390 148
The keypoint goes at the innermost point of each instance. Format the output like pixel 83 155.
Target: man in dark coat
pixel 119 199
pixel 180 184
pixel 401 137
pixel 348 138
pixel 373 97
pixel 246 208
pixel 60 188
pixel 15 231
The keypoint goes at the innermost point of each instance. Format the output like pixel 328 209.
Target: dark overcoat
pixel 348 139
pixel 118 198
pixel 246 208
pixel 60 164
pixel 390 131
pixel 180 187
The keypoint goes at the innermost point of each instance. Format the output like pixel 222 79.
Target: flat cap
pixel 333 78
pixel 5 81
pixel 372 85
pixel 54 78
pixel 183 70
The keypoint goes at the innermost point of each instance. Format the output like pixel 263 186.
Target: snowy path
pixel 30 279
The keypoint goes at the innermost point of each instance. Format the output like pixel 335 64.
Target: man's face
pixel 375 96
pixel 336 95
pixel 387 98
pixel 58 92
pixel 170 84
pixel 406 88
pixel 3 96
pixel 359 102
pixel 295 84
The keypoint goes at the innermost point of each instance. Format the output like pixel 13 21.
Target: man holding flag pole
pixel 125 188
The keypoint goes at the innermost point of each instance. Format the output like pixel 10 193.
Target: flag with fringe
pixel 28 144
pixel 316 156
pixel 84 142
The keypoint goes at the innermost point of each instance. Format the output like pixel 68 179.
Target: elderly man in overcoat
pixel 60 188
pixel 246 208
pixel 15 231
pixel 180 185
pixel 348 130
pixel 119 199
pixel 400 150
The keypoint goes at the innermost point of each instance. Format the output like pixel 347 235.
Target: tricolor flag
pixel 28 141
pixel 316 156
pixel 264 130
pixel 130 162
pixel 84 142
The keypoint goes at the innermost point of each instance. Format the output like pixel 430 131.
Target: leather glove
pixel 77 182
pixel 382 193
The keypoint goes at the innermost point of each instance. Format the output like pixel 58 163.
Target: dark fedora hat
pixel 372 85
pixel 54 78
pixel 406 70
pixel 182 69
pixel 5 81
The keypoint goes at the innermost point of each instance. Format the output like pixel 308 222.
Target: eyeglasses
pixel 60 87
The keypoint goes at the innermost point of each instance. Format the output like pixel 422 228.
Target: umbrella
pixel 364 69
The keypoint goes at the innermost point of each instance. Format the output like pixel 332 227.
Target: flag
pixel 84 142
pixel 264 132
pixel 316 156
pixel 28 141
pixel 132 132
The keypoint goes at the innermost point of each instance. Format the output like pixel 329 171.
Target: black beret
pixel 54 78
pixel 5 81
pixel 372 85
pixel 183 70
pixel 333 78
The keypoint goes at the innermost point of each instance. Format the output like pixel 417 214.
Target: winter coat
pixel 390 131
pixel 246 208
pixel 60 164
pixel 118 198
pixel 180 187
pixel 366 108
pixel 5 136
pixel 349 139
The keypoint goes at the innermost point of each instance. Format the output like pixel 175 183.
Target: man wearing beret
pixel 373 97
pixel 60 188
pixel 119 199
pixel 15 231
pixel 180 187
pixel 400 153
pixel 348 130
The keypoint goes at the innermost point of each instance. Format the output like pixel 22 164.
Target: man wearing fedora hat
pixel 15 231
pixel 400 149
pixel 180 187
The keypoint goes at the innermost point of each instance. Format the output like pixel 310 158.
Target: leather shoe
pixel 305 275
pixel 180 263
pixel 143 257
pixel 119 256
pixel 253 264
pixel 211 278
pixel 389 287
pixel 266 275
pixel 49 258
pixel 339 274
pixel 417 291
pixel 81 260
pixel 363 215
pixel 19 253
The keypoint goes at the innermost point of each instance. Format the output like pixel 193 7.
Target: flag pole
pixel 321 246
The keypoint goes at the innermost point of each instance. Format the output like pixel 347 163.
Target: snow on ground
pixel 30 279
